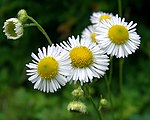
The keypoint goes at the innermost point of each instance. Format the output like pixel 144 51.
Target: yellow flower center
pixel 104 17
pixel 10 29
pixel 93 37
pixel 47 68
pixel 118 34
pixel 81 57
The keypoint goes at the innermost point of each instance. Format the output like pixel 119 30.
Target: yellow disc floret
pixel 47 68
pixel 81 57
pixel 93 37
pixel 104 17
pixel 118 34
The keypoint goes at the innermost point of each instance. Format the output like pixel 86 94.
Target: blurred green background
pixel 61 19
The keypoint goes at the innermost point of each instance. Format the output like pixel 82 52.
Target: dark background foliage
pixel 61 19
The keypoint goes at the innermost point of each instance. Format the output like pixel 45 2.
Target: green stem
pixel 108 83
pixel 111 66
pixel 87 94
pixel 121 60
pixel 96 109
pixel 121 74
pixel 29 25
pixel 120 8
pixel 41 29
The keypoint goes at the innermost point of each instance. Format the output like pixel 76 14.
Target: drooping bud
pixel 13 28
pixel 22 15
pixel 77 106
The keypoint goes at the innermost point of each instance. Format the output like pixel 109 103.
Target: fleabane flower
pixel 49 69
pixel 118 37
pixel 87 59
pixel 97 17
pixel 13 28
pixel 89 33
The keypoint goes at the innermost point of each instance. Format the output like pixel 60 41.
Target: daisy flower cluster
pixel 73 60
pixel 116 36
pixel 79 59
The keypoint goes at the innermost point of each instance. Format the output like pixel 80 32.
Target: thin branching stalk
pixel 29 25
pixel 41 29
pixel 108 83
pixel 87 95
pixel 120 8
pixel 121 60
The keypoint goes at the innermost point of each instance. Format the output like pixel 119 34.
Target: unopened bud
pixel 103 102
pixel 77 106
pixel 78 92
pixel 22 15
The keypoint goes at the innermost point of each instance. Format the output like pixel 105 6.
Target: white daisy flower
pixel 99 16
pixel 118 37
pixel 13 28
pixel 87 59
pixel 49 69
pixel 89 33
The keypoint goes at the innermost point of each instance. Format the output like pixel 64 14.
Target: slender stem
pixel 121 60
pixel 121 74
pixel 95 107
pixel 110 97
pixel 41 29
pixel 87 94
pixel 111 66
pixel 29 25
pixel 120 8
pixel 108 83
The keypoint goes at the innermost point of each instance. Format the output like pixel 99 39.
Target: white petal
pixel 35 57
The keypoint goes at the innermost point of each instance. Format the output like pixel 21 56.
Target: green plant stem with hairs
pixel 108 83
pixel 87 95
pixel 121 61
pixel 39 27
pixel 120 8
pixel 29 25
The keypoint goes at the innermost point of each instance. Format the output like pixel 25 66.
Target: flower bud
pixel 77 106
pixel 13 28
pixel 22 15
pixel 103 102
pixel 78 92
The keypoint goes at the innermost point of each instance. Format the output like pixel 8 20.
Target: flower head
pixel 87 59
pixel 13 28
pixel 118 37
pixel 77 106
pixel 49 69
pixel 99 16
pixel 89 33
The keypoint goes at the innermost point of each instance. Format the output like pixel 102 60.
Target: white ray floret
pixel 117 37
pixel 97 17
pixel 89 33
pixel 49 69
pixel 87 59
